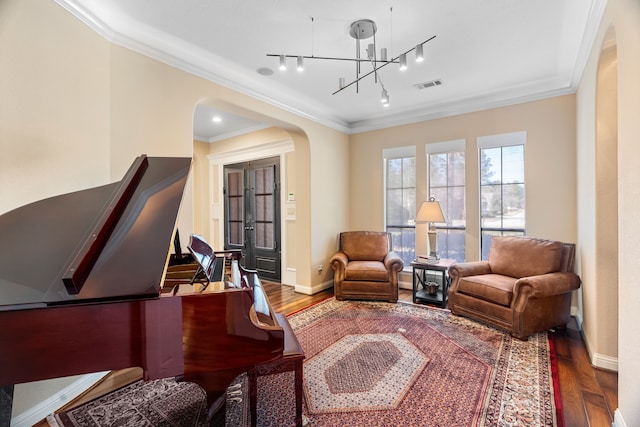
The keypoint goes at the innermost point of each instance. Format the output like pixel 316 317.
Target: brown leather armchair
pixel 524 287
pixel 366 267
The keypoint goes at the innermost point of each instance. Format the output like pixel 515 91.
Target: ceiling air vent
pixel 432 83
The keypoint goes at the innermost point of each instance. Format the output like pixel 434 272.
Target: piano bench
pixel 292 358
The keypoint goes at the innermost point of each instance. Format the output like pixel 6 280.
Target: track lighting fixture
pixel 363 29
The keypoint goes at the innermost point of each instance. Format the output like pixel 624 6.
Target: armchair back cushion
pixel 517 257
pixel 365 245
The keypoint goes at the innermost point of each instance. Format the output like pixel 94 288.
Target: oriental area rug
pixel 380 364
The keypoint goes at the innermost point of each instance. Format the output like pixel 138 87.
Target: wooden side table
pixel 431 281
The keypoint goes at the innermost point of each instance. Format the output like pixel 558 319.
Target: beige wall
pixel 54 118
pixel 54 104
pixel 622 18
pixel 550 166
pixel 84 125
pixel 75 110
pixel 200 180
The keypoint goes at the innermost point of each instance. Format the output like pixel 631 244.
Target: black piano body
pixel 80 290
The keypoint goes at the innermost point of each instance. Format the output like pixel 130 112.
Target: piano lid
pixel 41 240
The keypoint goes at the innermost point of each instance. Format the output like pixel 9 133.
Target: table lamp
pixel 431 212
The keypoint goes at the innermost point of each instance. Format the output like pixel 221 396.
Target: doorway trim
pixel 603 325
pixel 217 162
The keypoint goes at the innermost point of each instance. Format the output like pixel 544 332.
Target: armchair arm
pixel 393 262
pixel 473 268
pixel 547 285
pixel 456 271
pixel 339 261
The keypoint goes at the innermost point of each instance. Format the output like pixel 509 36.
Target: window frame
pixel 392 154
pixel 500 141
pixel 447 147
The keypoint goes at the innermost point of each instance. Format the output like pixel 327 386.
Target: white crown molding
pixel 588 39
pixel 174 52
pixel 193 60
pixel 479 103
pixel 228 135
pixel 262 151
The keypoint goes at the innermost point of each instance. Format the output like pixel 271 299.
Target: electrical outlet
pixel 320 268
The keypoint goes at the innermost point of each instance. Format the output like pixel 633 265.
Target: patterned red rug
pixel 370 364
pixel 379 364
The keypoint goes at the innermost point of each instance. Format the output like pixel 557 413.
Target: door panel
pixel 234 208
pixel 252 214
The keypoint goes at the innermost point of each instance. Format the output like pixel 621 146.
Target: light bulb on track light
pixel 403 61
pixel 419 53
pixel 385 97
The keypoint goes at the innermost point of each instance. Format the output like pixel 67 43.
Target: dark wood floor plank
pixel 596 408
pixel 583 367
pixel 571 393
pixel 609 385
pixel 563 346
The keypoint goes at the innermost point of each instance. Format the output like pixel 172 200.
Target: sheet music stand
pixel 212 265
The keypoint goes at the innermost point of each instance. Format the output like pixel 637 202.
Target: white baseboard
pixel 601 361
pixel 617 419
pixel 604 362
pixel 575 313
pixel 37 413
pixel 314 289
pixel 405 285
pixel 310 290
pixel 288 275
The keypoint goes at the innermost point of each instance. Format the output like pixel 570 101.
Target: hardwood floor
pixel 589 395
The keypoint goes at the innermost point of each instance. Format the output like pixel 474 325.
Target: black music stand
pixel 206 259
pixel 211 264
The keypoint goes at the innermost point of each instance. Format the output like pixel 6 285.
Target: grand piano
pixel 81 279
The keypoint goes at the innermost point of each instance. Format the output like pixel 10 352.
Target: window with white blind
pixel 502 187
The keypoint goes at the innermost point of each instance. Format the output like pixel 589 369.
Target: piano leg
pixel 218 411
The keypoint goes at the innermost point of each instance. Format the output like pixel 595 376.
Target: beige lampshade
pixel 430 211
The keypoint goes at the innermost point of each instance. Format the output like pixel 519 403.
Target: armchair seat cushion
pixel 495 288
pixel 373 271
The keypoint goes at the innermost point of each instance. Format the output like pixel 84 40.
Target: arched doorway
pixel 214 158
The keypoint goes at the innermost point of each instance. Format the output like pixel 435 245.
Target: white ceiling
pixel 487 53
pixel 205 129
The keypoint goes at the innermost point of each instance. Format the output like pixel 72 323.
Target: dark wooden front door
pixel 252 214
